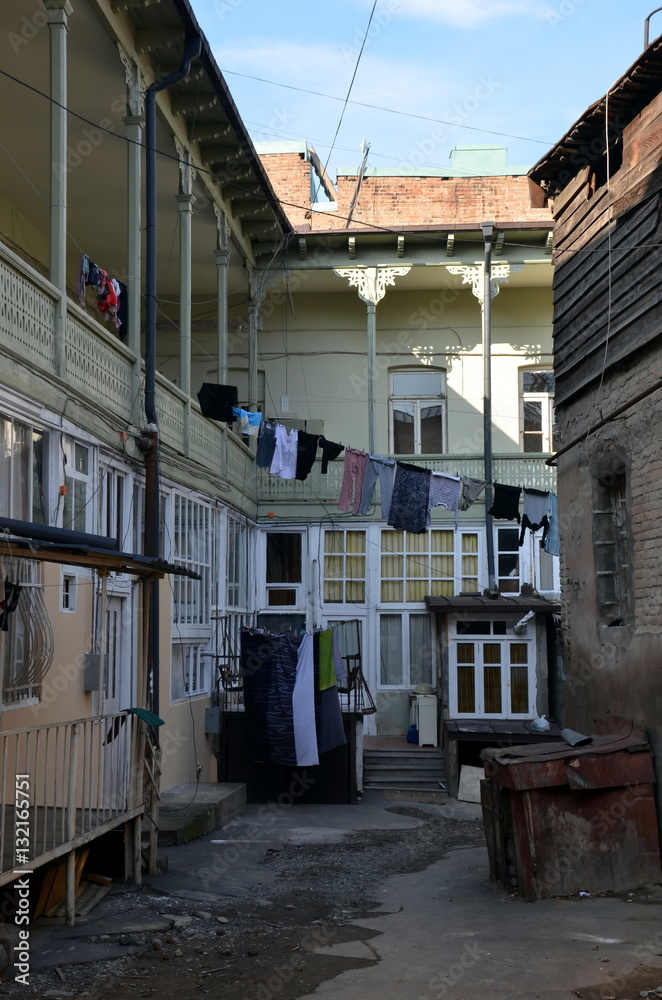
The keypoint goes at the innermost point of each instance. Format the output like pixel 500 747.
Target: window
pixel 611 544
pixel 283 568
pixel 69 594
pixel 237 563
pixel 189 673
pixel 22 471
pixel 77 510
pixel 26 648
pixel 508 550
pixel 193 548
pixel 406 650
pixel 344 567
pixel 414 567
pixel 492 670
pixel 138 518
pixel 112 513
pixel 537 410
pixel 417 412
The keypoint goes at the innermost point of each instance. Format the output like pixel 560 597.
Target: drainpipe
pixel 192 49
pixel 488 232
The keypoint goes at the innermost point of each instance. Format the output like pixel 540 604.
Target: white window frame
pixel 69 593
pixel 418 401
pixel 31 579
pixel 237 562
pixel 405 616
pixel 193 546
pixel 16 474
pixel 546 400
pixel 71 475
pixel 344 579
pixel 299 588
pixel 528 638
pixel 458 565
pixel 189 672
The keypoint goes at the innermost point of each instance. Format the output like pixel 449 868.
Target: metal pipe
pixel 192 49
pixel 60 536
pixel 647 25
pixel 488 232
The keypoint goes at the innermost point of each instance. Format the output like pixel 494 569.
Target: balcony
pixel 516 469
pixel 104 376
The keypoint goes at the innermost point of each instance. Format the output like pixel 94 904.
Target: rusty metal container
pixel 561 820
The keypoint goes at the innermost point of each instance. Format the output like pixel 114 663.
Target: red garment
pixel 106 298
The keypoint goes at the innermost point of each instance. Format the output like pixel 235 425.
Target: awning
pixel 488 605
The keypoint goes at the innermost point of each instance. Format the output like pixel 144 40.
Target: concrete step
pixel 187 812
pixel 407 785
pixel 404 772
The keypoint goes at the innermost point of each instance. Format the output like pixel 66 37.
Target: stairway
pixel 415 769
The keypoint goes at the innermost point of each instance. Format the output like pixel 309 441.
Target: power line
pixel 349 90
pixel 390 111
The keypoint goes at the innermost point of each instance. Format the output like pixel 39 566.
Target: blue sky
pixel 524 67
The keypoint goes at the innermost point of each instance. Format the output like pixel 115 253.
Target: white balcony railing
pixel 516 469
pixel 81 779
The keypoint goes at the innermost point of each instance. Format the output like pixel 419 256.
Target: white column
pixel 257 290
pixel 58 14
pixel 222 254
pixel 371 284
pixel 134 122
pixel 185 205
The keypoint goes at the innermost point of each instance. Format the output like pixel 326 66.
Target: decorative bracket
pixel 474 275
pixel 371 282
pixel 135 94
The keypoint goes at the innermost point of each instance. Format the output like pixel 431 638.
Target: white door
pixel 117 695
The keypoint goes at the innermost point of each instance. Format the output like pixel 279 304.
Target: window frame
pixel 71 476
pixel 198 553
pixel 418 399
pixel 528 638
pixel 405 651
pixel 299 587
pixel 546 400
pixel 458 578
pixel 17 476
pixel 345 581
pixel 185 654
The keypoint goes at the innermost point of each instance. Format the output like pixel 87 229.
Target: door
pixel 116 696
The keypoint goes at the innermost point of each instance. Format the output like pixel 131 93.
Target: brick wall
pixel 404 201
pixel 289 174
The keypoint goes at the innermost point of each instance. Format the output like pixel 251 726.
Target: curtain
pixel 421 651
pixel 390 649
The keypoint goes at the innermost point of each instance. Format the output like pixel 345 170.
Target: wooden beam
pixel 259 228
pixel 191 102
pixel 217 152
pixel 209 131
pixel 450 244
pixel 148 39
pixel 117 6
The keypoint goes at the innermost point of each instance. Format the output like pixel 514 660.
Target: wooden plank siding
pixel 608 305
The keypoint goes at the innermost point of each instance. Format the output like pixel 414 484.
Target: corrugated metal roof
pixel 479 604
pixel 629 95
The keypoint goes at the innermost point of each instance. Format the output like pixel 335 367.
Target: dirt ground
pixel 265 947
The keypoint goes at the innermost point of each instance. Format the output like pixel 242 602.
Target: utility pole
pixel 488 232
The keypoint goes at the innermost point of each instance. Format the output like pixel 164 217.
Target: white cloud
pixel 472 13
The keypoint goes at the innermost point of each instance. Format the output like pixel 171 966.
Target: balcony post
pixel 257 286
pixel 185 206
pixel 134 122
pixel 58 15
pixel 371 283
pixel 222 254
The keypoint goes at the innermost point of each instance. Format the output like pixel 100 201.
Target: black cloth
pixel 506 502
pixel 410 500
pixel 306 451
pixel 330 450
pixel 328 713
pixel 266 445
pixel 123 311
pixel 269 667
pixel 217 401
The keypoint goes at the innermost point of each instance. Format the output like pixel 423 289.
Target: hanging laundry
pixel 330 450
pixel 9 604
pixel 338 662
pixel 269 668
pixel 306 452
pixel 328 713
pixel 506 502
pixel 266 445
pixel 284 462
pixel 303 705
pixel 409 503
pixel 384 470
pixel 250 422
pixel 470 490
pixel 552 542
pixel 352 480
pixel 536 505
pixel 327 674
pixel 444 492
